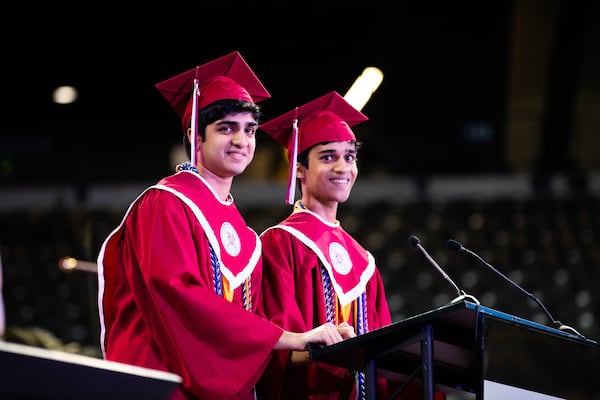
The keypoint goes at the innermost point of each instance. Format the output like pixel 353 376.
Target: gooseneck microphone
pixel 416 243
pixel 457 246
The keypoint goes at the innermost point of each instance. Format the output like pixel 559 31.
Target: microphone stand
pixel 413 240
pixel 457 246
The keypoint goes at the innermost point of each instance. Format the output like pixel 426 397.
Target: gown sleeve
pixel 279 283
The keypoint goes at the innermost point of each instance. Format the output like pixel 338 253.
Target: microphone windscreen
pixel 413 240
pixel 454 245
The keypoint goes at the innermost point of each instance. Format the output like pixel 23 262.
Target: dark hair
pixel 218 110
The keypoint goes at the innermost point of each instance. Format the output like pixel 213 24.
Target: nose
pixel 239 138
pixel 341 165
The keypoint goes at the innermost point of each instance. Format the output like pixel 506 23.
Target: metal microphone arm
pixel 415 242
pixel 457 246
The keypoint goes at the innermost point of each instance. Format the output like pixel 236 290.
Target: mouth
pixel 340 181
pixel 236 155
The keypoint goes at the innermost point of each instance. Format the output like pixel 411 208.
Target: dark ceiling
pixel 440 108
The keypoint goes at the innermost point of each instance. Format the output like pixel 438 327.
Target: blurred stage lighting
pixel 363 87
pixel 65 95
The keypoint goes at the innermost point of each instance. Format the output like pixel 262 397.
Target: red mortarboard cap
pixel 227 77
pixel 325 119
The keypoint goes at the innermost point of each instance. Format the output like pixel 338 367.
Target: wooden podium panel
pixel 465 348
pixel 32 373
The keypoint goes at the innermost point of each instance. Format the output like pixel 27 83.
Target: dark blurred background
pixel 469 86
pixel 483 129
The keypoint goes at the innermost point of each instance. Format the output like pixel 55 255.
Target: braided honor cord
pixel 362 324
pixel 218 280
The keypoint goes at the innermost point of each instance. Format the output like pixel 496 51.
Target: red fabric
pixel 216 88
pixel 414 391
pixel 293 297
pixel 324 119
pixel 237 247
pixel 323 126
pixel 349 265
pixel 159 309
pixel 235 80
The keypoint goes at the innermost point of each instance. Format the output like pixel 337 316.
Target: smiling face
pixel 228 147
pixel 330 175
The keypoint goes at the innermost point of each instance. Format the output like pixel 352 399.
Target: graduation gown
pixel 294 295
pixel 158 296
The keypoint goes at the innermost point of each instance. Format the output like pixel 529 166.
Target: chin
pixel 343 199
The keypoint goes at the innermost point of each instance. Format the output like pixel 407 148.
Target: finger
pixel 333 335
pixel 346 330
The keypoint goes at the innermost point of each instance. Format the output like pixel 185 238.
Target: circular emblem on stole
pixel 340 260
pixel 230 239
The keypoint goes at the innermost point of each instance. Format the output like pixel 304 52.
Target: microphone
pixel 416 243
pixel 457 246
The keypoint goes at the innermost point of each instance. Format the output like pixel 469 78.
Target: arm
pixel 325 334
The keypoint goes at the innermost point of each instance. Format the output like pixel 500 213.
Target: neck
pixel 221 186
pixel 326 211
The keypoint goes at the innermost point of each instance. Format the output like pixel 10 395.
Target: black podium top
pixel 28 373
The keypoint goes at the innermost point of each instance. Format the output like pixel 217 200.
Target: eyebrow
pixel 326 151
pixel 226 122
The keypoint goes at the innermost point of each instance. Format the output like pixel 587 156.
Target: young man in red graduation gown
pixel 180 277
pixel 314 271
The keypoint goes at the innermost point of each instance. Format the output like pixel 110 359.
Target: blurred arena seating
pixel 549 243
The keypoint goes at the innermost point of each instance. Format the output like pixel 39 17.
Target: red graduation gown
pixel 294 299
pixel 157 300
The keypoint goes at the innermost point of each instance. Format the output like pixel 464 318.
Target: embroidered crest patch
pixel 340 260
pixel 230 239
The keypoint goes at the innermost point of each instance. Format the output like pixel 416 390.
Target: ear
pixel 198 140
pixel 300 171
pixel 188 134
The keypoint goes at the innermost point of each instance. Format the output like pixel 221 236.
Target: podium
pixel 32 373
pixel 469 351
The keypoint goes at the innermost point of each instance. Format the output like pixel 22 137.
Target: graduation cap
pixel 325 119
pixel 227 77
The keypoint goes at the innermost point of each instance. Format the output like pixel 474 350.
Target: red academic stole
pixel 349 265
pixel 237 246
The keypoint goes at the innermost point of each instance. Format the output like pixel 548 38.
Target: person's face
pixel 331 172
pixel 229 145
